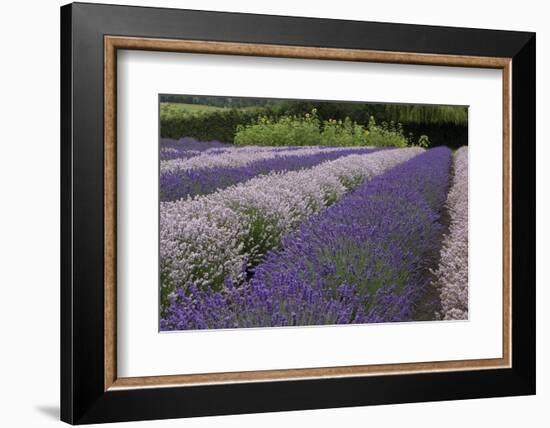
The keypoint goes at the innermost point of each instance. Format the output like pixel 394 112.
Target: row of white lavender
pixel 239 157
pixel 452 272
pixel 207 239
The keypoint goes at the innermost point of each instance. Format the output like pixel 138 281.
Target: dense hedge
pixel 212 125
pixel 224 102
pixel 443 125
pixel 361 112
pixel 426 114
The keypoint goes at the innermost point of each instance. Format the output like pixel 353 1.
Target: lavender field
pixel 268 236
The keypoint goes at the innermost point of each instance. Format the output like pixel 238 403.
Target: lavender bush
pixel 188 147
pixel 452 272
pixel 363 259
pixel 219 236
pixel 191 182
pixel 237 156
pixel 292 302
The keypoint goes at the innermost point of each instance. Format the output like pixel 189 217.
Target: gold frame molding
pixel 113 43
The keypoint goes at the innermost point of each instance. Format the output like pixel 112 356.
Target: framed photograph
pixel 265 213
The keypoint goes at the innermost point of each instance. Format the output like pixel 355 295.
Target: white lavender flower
pixel 239 156
pixel 452 272
pixel 207 239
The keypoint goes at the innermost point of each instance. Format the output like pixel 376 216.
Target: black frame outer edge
pixel 66 306
pixel 524 213
pixel 82 397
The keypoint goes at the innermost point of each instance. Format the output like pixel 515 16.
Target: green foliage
pixel 385 135
pixel 426 114
pixel 284 131
pixel 307 130
pixel 217 124
pixel 361 112
pixel 343 133
pixel 357 112
pixel 423 141
pixel 264 234
pixel 178 109
pixel 223 102
pixel 283 122
pixel 452 136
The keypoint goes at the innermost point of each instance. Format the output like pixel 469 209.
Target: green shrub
pixel 385 135
pixel 284 131
pixel 307 130
pixel 206 125
pixel 423 141
pixel 343 133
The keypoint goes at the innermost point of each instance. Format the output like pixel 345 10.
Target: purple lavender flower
pixel 290 302
pixel 208 238
pixel 361 260
pixel 380 239
pixel 188 147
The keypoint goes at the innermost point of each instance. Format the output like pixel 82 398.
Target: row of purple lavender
pixel 366 258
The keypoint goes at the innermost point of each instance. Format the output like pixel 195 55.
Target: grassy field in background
pixel 181 108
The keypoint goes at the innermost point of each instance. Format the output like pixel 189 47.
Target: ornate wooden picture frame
pixel 91 389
